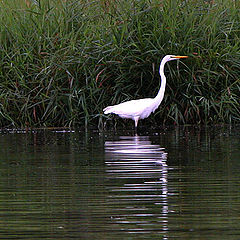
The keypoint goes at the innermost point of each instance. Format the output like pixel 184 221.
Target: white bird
pixel 142 108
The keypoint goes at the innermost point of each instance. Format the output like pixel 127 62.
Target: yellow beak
pixel 180 56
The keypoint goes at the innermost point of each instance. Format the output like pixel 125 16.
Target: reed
pixel 63 61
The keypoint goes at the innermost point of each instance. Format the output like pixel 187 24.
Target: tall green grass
pixel 63 61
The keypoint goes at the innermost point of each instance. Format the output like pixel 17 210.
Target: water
pixel 174 183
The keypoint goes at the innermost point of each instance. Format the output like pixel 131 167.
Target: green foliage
pixel 63 61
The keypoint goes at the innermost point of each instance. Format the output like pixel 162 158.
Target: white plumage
pixel 142 108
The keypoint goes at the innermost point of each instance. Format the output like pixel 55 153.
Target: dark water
pixel 174 183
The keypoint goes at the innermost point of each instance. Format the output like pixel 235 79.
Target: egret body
pixel 142 108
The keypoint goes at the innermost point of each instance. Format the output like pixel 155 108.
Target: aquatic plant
pixel 62 61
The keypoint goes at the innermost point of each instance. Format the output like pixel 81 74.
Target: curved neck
pixel 161 91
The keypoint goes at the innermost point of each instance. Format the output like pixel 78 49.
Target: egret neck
pixel 158 99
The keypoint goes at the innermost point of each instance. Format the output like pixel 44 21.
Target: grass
pixel 62 61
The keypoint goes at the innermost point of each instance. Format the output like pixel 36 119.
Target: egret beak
pixel 179 56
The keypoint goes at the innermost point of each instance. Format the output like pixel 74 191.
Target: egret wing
pixel 130 109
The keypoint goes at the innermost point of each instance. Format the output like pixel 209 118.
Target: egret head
pixel 174 57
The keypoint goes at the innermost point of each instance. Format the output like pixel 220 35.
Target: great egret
pixel 142 108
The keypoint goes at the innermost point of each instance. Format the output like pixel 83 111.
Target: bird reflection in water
pixel 137 172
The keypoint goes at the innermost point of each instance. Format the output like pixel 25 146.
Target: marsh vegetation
pixel 62 62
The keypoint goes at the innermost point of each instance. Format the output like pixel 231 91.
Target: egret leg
pixel 136 121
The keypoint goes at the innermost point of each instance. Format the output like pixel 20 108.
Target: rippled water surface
pixel 174 183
